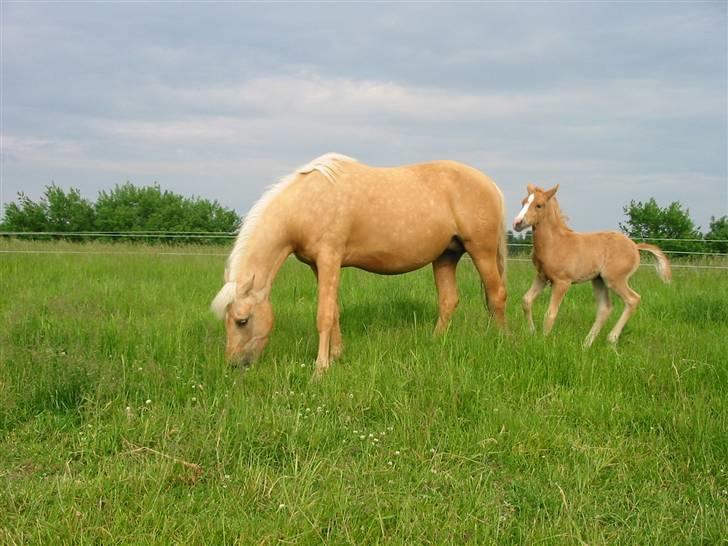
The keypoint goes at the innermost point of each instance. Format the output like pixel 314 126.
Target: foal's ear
pixel 243 289
pixel 530 188
pixel 549 194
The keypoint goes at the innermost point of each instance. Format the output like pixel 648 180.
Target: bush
pixel 652 223
pixel 126 208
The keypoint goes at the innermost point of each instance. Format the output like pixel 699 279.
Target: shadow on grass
pixel 395 314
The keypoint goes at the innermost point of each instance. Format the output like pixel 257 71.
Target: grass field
pixel 120 422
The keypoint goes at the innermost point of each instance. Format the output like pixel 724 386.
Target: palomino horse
pixel 336 212
pixel 608 259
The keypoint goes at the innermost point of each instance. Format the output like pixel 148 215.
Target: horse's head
pixel 534 207
pixel 248 317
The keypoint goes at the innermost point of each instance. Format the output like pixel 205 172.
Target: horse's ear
pixel 243 289
pixel 530 188
pixel 552 192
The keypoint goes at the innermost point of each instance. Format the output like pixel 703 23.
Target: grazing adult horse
pixel 561 256
pixel 336 212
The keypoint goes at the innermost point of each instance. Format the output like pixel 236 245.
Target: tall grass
pixel 120 422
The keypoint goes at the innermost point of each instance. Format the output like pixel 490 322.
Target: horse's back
pixel 395 219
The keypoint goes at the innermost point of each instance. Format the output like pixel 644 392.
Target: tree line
pixel 129 208
pixel 126 208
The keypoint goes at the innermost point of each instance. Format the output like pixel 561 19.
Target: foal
pixel 561 256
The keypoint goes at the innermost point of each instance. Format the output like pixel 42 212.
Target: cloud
pixel 226 99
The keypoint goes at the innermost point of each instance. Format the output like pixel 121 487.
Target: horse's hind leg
pixel 447 291
pixel 536 288
pixel 631 300
pixel 604 308
pixel 495 289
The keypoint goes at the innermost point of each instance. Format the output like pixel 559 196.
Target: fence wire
pixel 225 254
pixel 221 235
pixel 231 234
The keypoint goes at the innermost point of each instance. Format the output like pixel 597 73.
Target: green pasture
pixel 120 422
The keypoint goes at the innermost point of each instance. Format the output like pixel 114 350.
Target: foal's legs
pixel 604 308
pixel 631 300
pixel 336 346
pixel 536 288
pixel 495 289
pixel 329 272
pixel 447 290
pixel 558 291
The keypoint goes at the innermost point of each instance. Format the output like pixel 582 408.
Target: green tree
pixel 663 226
pixel 717 238
pixel 56 210
pixel 131 208
pixel 519 243
pixel 122 209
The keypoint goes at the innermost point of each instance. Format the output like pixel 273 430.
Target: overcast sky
pixel 614 101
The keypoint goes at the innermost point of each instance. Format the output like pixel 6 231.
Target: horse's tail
pixel 662 264
pixel 503 241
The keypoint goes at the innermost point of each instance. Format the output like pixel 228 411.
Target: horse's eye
pixel 539 206
pixel 241 322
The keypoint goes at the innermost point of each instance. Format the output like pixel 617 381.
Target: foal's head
pixel 248 317
pixel 535 205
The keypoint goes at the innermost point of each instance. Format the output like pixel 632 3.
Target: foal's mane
pixel 328 165
pixel 558 215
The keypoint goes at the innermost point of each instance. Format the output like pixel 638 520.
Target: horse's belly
pixel 390 256
pixel 385 263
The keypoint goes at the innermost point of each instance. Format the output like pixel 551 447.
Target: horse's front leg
pixel 329 272
pixel 336 346
pixel 533 292
pixel 337 343
pixel 558 291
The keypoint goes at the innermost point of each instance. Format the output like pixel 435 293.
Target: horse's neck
pixel 263 257
pixel 549 231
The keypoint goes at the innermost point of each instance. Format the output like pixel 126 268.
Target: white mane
pixel 327 165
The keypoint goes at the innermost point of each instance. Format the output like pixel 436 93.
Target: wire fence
pixel 162 234
pixel 202 236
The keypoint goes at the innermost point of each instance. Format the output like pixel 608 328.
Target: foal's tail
pixel 662 264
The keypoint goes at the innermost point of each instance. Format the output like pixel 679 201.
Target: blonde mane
pixel 328 165
pixel 559 215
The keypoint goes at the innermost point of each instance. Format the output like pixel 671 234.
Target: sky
pixel 614 101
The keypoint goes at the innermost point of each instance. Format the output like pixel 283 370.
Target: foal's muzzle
pixel 520 225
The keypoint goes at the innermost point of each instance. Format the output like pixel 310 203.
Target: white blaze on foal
pixel 518 219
